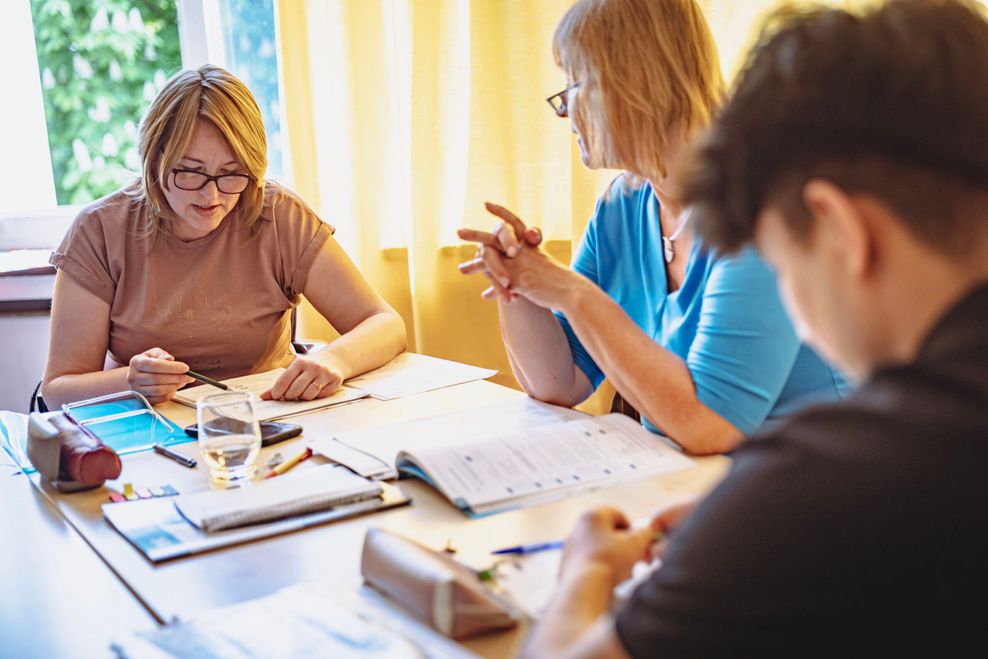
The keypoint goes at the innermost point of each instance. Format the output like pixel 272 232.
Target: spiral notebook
pixel 301 493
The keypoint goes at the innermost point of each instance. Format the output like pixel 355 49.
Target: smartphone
pixel 272 432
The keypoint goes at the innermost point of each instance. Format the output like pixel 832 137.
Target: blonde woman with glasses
pixel 198 264
pixel 697 341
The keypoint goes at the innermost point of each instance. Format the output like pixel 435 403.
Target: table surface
pixel 63 583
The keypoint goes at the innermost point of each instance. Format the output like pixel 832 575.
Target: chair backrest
pixel 37 401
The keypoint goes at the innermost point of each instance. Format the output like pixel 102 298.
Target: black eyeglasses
pixel 188 179
pixel 560 102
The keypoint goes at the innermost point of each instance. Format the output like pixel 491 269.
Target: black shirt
pixel 858 527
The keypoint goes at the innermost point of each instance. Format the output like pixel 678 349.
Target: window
pixel 84 71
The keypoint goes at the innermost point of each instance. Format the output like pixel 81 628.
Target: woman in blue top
pixel 696 340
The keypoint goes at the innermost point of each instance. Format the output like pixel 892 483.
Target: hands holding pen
pixel 156 375
pixel 604 542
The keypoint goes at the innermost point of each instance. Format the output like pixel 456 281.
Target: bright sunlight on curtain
pixel 404 116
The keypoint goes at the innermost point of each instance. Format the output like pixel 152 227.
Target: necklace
pixel 667 242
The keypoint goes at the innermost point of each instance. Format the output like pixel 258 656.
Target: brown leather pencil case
pixel 432 586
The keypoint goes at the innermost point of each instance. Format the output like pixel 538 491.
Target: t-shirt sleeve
pixel 84 257
pixel 745 344
pixel 301 234
pixel 585 263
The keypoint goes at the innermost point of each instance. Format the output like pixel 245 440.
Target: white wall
pixel 23 349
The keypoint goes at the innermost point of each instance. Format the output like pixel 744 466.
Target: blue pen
pixel 531 549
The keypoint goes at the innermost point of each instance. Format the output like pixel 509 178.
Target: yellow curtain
pixel 404 116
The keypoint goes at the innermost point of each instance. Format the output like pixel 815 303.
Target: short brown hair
pixel 210 93
pixel 892 103
pixel 646 66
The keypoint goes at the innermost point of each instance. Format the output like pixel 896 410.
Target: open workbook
pixel 526 467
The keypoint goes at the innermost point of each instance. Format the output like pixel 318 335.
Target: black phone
pixel 272 432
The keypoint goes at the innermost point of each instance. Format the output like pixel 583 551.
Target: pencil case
pixel 432 586
pixel 64 454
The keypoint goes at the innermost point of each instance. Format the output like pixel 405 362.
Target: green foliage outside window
pixel 101 63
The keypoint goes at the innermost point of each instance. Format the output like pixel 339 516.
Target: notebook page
pixel 532 463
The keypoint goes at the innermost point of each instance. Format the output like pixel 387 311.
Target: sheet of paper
pixel 412 373
pixel 267 410
pixel 384 442
pixel 304 620
pixel 491 472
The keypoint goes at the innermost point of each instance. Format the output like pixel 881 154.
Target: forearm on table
pixel 581 599
pixel 654 380
pixel 371 343
pixel 70 387
pixel 539 353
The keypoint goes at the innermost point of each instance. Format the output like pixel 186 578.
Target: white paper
pixel 412 373
pixel 305 620
pixel 502 471
pixel 266 410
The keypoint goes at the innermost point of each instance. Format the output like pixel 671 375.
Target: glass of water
pixel 229 437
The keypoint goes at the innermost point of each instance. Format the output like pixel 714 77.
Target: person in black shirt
pixel 854 155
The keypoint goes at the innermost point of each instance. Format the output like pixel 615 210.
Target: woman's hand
pixel 517 267
pixel 156 375
pixel 307 378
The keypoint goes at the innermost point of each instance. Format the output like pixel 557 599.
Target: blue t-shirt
pixel 726 321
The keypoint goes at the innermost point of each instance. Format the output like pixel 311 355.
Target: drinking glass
pixel 229 437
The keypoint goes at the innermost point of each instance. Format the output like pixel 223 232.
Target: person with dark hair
pixel 854 156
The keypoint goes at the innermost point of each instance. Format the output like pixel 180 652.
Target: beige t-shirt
pixel 220 303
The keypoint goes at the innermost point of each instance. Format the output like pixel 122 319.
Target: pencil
pixel 203 378
pixel 289 463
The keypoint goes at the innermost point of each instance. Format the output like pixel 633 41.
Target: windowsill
pixel 25 262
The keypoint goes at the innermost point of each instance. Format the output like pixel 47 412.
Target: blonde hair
pixel 644 68
pixel 218 96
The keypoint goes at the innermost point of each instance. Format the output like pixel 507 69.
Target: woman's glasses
pixel 188 179
pixel 560 101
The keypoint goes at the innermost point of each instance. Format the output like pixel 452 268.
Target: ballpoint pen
pixel 210 381
pixel 531 549
pixel 183 460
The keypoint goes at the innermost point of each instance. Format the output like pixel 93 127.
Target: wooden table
pixel 188 586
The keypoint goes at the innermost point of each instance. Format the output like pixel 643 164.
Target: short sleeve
pixel 745 345
pixel 83 255
pixel 301 234
pixel 585 262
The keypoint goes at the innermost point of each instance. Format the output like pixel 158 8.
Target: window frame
pixel 200 40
